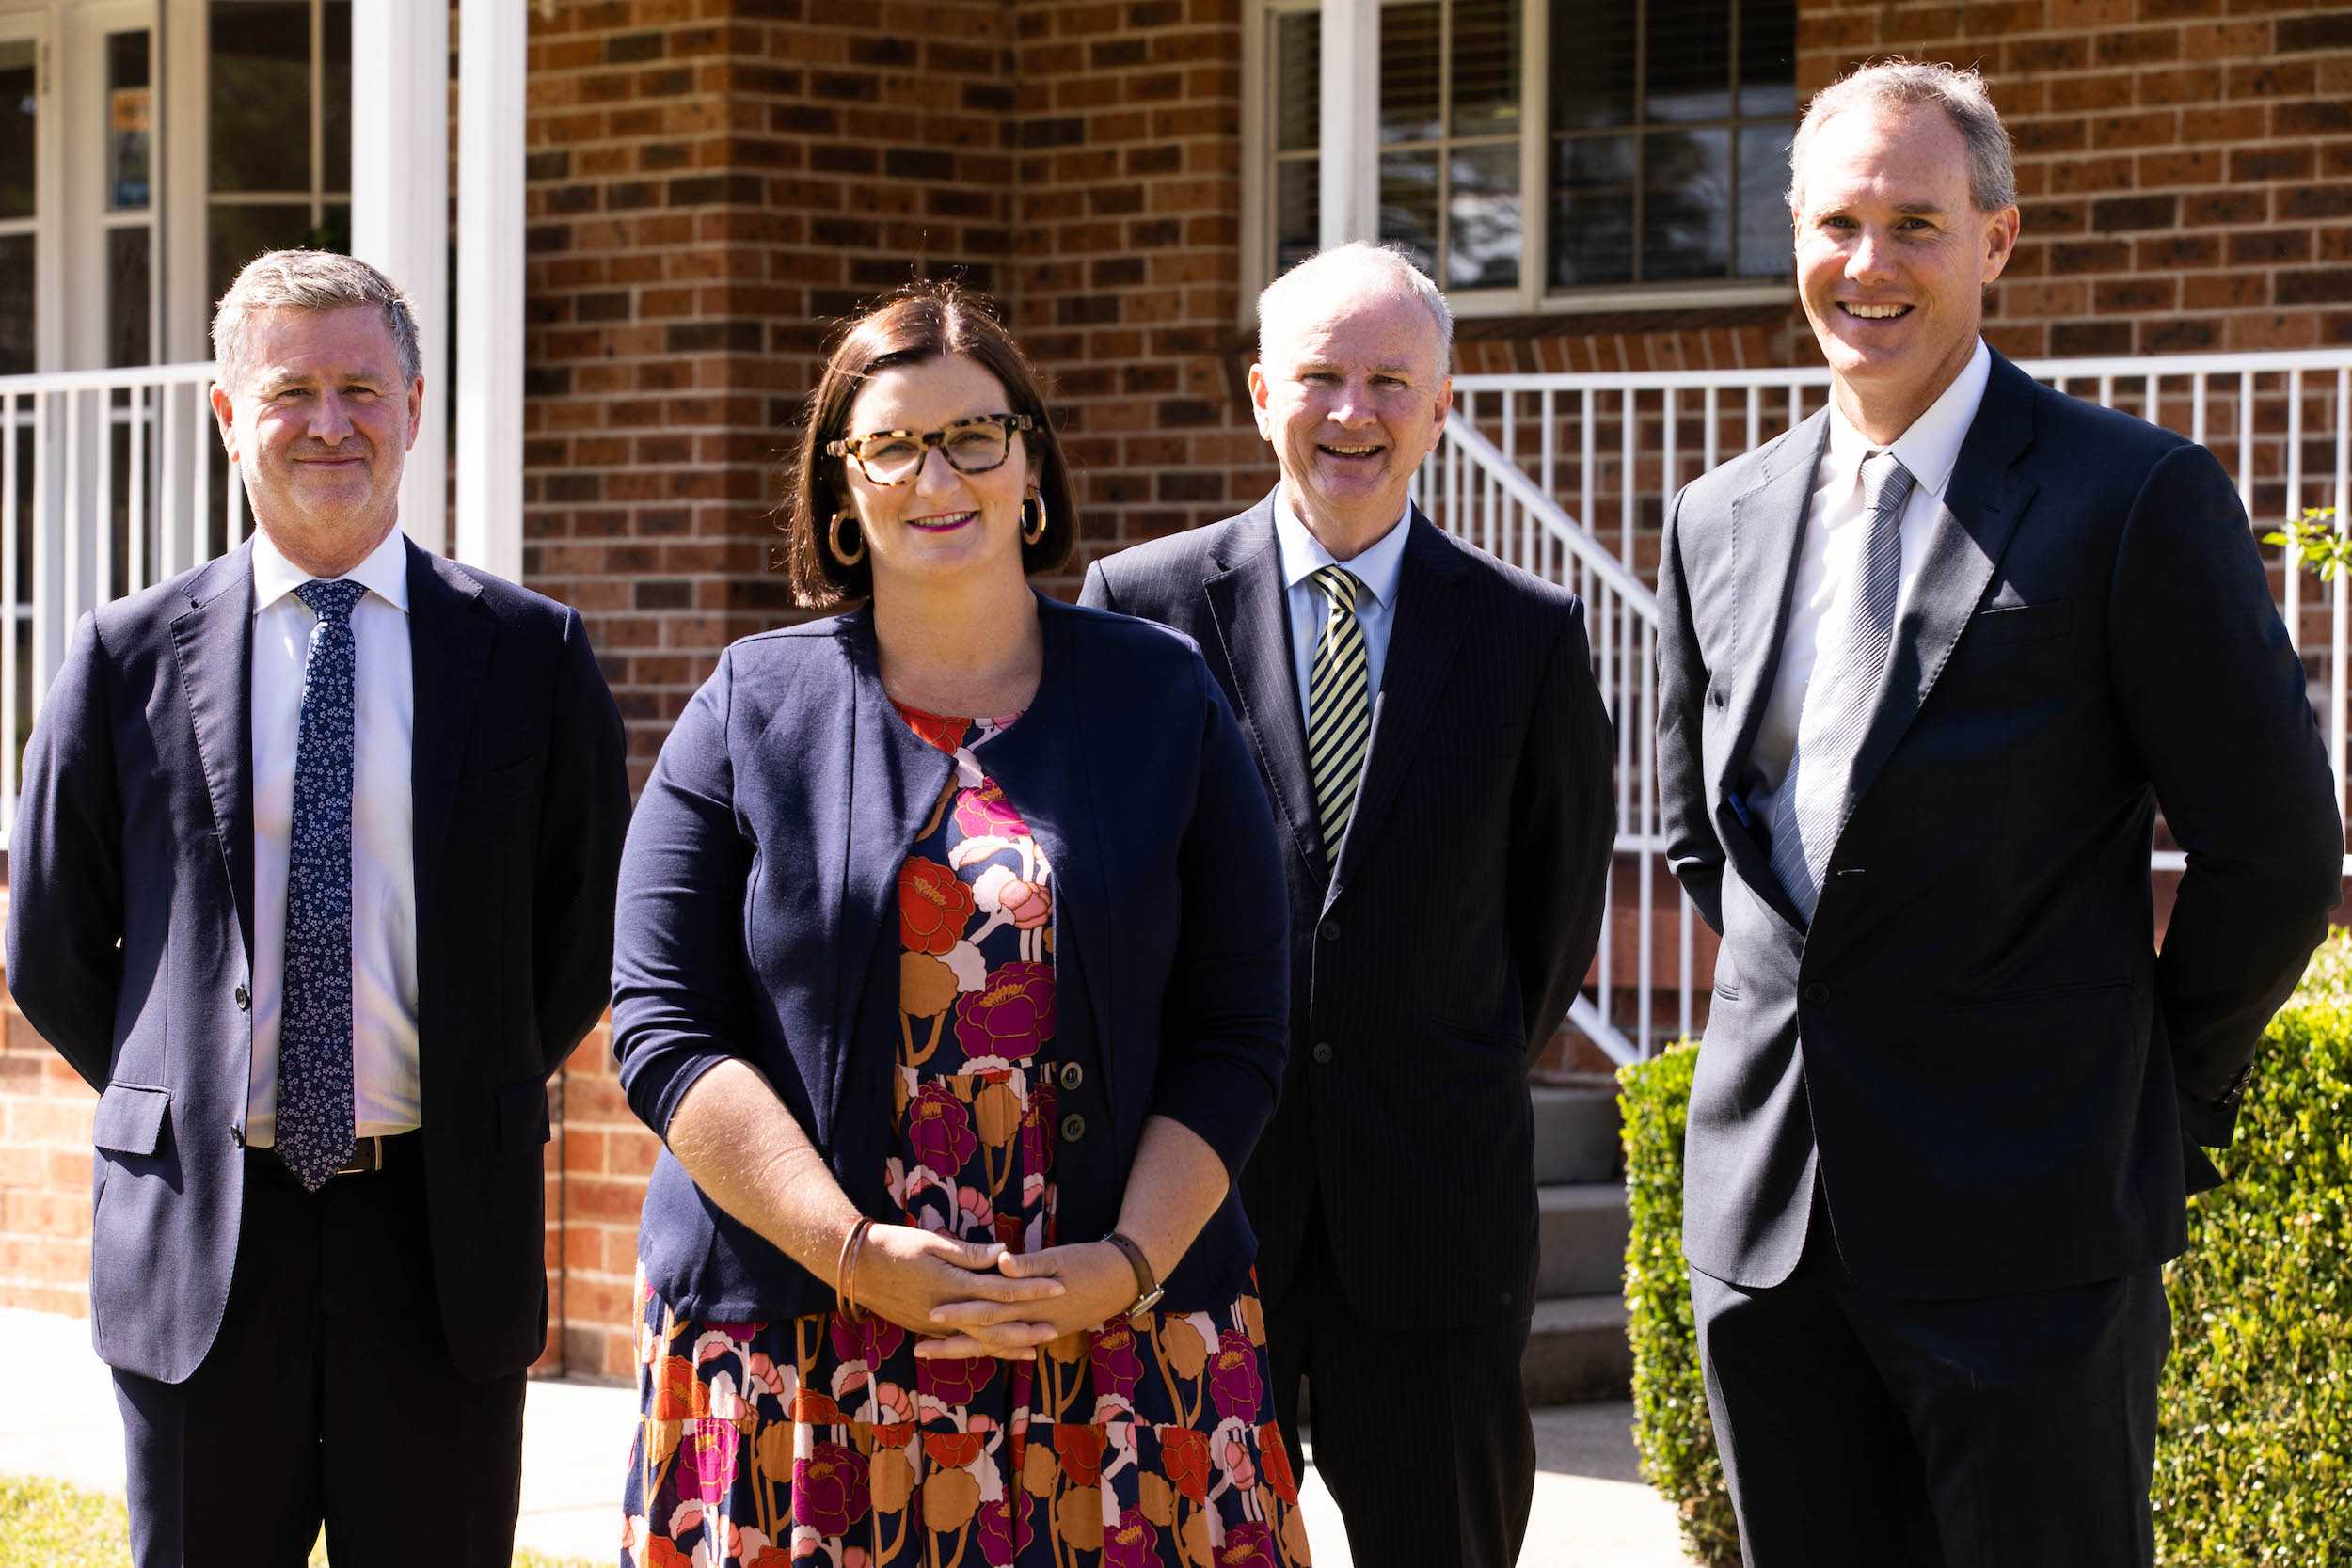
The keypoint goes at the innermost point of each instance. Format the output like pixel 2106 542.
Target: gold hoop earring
pixel 1031 536
pixel 833 538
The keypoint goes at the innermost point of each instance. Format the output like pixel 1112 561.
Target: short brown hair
pixel 922 321
pixel 310 281
pixel 1896 83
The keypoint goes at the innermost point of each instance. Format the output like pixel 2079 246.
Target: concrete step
pixel 1577 1352
pixel 1581 1231
pixel 1576 1130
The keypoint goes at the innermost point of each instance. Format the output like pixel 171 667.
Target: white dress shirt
pixel 1829 562
pixel 383 850
pixel 1377 568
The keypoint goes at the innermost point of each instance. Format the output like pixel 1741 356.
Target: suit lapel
pixel 213 647
pixel 1982 504
pixel 1245 601
pixel 1433 608
pixel 1767 539
pixel 449 633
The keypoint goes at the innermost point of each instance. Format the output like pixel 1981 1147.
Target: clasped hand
pixel 978 1298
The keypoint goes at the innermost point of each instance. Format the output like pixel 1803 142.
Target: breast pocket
pixel 2004 625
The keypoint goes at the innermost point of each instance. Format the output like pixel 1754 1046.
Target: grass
pixel 48 1524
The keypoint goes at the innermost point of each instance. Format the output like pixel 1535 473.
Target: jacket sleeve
pixel 64 868
pixel 580 825
pixel 681 1000
pixel 1693 851
pixel 1095 594
pixel 2214 696
pixel 1564 830
pixel 1225 1024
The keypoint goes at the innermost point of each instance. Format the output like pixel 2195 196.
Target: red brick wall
pixel 45 1159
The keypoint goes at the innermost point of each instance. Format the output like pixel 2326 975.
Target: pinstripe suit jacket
pixel 1443 946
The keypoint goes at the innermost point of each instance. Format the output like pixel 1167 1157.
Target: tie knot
pixel 331 599
pixel 1885 482
pixel 1339 585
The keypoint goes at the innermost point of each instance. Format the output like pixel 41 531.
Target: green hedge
pixel 2254 1445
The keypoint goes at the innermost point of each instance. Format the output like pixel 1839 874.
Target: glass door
pixel 29 315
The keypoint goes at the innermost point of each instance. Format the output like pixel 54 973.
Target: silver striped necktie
pixel 1809 812
pixel 1339 707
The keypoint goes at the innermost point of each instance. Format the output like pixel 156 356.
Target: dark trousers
pixel 2005 1432
pixel 328 1397
pixel 1421 1435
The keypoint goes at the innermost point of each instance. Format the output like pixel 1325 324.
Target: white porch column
pixel 1350 129
pixel 490 63
pixel 400 210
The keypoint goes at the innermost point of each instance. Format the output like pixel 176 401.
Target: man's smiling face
pixel 1893 258
pixel 1353 398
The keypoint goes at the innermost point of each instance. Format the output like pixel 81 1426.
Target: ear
pixel 2000 241
pixel 1258 394
pixel 415 410
pixel 225 415
pixel 1445 399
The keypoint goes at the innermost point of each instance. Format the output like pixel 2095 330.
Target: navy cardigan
pixel 756 922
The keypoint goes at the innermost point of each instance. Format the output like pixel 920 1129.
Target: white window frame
pixel 1350 186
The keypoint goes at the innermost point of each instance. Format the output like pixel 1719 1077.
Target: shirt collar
pixel 384 573
pixel 1377 568
pixel 1931 448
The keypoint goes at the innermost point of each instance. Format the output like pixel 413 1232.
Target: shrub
pixel 2254 1436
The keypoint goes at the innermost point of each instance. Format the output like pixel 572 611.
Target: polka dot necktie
pixel 1339 707
pixel 314 1096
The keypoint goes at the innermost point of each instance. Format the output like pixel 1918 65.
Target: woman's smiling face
pixel 937 522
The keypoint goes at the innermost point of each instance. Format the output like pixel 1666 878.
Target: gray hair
pixel 1359 266
pixel 1900 84
pixel 311 280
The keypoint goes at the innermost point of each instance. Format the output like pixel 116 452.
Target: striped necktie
pixel 1339 707
pixel 1810 810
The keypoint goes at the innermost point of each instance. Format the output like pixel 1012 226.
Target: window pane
pixel 261 95
pixel 1408 72
pixel 16 304
pixel 1764 227
pixel 129 121
pixel 1768 57
pixel 1483 222
pixel 127 313
pixel 1408 205
pixel 1592 63
pixel 239 233
pixel 1685 204
pixel 1592 211
pixel 1297 80
pixel 1485 66
pixel 18 105
pixel 1689 56
pixel 1297 212
pixel 335 92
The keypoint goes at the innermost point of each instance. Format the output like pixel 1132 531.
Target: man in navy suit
pixel 1427 724
pixel 312 879
pixel 1929 663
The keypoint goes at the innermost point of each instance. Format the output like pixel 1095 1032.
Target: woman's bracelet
pixel 844 1289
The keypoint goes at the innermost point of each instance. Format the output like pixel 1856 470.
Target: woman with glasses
pixel 950 969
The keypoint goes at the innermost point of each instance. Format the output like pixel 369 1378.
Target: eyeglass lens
pixel 971 449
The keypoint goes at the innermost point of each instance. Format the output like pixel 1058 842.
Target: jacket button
pixel 1329 931
pixel 1322 1052
pixel 1074 1127
pixel 1816 993
pixel 245 999
pixel 1072 1075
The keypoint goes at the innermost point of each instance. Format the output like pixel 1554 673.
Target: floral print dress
pixel 813 1440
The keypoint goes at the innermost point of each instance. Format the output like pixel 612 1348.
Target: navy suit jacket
pixel 1435 954
pixel 1976 1048
pixel 758 922
pixel 129 934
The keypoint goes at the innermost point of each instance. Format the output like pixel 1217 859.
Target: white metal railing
pixel 109 481
pixel 1567 476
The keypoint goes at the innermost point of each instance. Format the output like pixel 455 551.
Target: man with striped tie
pixel 1428 728
pixel 1930 663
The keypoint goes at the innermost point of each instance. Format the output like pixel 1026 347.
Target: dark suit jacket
pixel 1443 948
pixel 758 920
pixel 1977 1044
pixel 131 928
